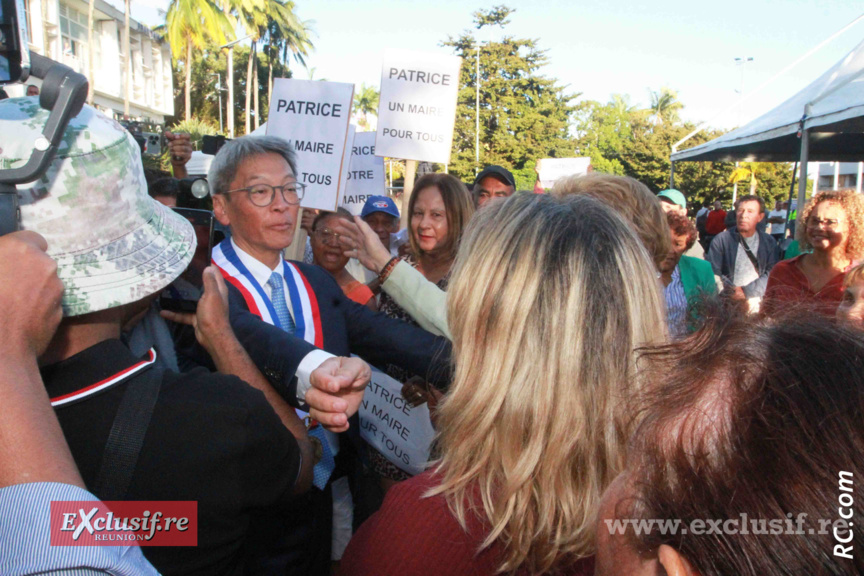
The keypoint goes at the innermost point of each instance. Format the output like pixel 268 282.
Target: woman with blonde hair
pixel 833 231
pixel 632 200
pixel 548 300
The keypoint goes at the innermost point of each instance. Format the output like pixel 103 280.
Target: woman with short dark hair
pixel 750 441
pixel 686 280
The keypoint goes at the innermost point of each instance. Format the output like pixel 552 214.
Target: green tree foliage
pixel 665 106
pixel 205 101
pixel 365 103
pixel 191 24
pixel 274 23
pixel 621 139
pixel 524 116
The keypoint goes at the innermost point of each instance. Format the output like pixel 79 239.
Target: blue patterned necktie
pixel 324 468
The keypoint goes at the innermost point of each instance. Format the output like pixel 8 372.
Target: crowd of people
pixel 592 360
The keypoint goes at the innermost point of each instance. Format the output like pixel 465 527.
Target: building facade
pixel 839 175
pixel 58 29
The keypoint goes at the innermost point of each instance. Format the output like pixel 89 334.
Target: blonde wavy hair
pixel 632 200
pixel 853 204
pixel 548 300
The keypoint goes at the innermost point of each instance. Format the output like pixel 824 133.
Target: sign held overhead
pixel 417 106
pixel 313 117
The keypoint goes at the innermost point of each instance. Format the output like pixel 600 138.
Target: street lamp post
pixel 230 110
pixel 740 62
pixel 219 95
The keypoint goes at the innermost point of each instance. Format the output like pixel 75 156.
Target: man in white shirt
pixel 777 220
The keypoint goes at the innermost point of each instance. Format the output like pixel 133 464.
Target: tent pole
pixel 791 193
pixel 671 175
pixel 802 175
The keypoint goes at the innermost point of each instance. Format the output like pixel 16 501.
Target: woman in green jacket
pixel 685 279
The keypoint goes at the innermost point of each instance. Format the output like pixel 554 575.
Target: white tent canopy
pixel 832 108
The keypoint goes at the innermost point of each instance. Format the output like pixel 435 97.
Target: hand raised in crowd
pixel 180 151
pixel 361 242
pixel 337 389
pixel 31 293
pixel 307 219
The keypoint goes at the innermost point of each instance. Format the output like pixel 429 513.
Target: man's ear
pixel 761 216
pixel 219 209
pixel 673 562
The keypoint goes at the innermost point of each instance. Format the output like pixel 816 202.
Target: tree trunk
pixel 255 88
pixel 270 79
pixel 91 73
pixel 188 78
pixel 249 88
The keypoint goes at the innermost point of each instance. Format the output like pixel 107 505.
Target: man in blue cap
pixel 381 214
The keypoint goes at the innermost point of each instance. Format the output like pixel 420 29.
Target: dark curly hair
pixel 680 225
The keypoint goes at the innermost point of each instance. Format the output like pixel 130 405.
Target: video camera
pixel 63 93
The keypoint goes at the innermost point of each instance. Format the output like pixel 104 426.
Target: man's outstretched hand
pixel 337 389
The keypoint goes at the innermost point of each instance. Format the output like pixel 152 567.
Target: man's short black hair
pixel 164 187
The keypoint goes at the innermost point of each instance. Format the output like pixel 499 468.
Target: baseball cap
pixel 379 204
pixel 497 172
pixel 113 244
pixel 674 196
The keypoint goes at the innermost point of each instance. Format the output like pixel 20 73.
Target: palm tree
pixel 365 101
pixel 272 21
pixel 188 24
pixel 745 171
pixel 286 36
pixel 665 106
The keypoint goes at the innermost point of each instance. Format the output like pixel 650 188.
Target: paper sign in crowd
pixel 416 114
pixel 366 174
pixel 314 118
pixel 417 106
pixel 401 433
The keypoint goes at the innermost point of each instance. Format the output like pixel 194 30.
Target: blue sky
pixel 601 48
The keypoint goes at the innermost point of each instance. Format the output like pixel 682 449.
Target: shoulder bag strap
pixel 749 253
pixel 127 435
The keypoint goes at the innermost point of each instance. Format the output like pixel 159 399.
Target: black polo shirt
pixel 212 438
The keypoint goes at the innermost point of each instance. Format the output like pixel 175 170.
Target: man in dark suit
pixel 293 318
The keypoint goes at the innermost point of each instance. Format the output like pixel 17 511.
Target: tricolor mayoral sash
pixel 307 317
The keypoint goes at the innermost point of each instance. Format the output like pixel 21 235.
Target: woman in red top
pixel 548 299
pixel 834 231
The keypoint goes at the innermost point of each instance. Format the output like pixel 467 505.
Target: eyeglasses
pixel 828 223
pixel 327 236
pixel 262 195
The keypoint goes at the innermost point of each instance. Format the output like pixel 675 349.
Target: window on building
pixel 73 30
pixel 27 23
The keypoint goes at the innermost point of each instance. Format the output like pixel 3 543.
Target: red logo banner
pixel 145 523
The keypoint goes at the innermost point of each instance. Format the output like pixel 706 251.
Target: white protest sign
pixel 346 163
pixel 313 117
pixel 551 169
pixel 402 433
pixel 366 175
pixel 417 106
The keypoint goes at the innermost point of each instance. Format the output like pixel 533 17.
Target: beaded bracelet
pixel 388 268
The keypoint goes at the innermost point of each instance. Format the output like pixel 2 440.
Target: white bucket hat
pixel 113 243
